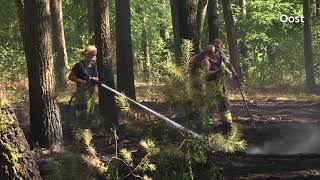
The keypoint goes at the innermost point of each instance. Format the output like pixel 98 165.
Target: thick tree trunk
pixel 213 23
pixel 107 103
pixel 308 45
pixel 58 42
pixel 231 35
pixel 184 23
pixel 125 76
pixel 44 112
pixel 17 161
pixel 201 13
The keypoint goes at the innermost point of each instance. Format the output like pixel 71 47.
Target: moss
pixel 11 153
pixel 5 121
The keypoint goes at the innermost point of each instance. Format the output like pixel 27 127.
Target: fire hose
pixel 167 120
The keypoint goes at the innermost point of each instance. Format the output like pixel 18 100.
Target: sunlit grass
pixel 155 91
pixel 276 93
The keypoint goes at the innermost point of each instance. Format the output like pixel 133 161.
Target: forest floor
pixel 283 144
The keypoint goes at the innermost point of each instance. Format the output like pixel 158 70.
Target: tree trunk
pixel 231 35
pixel 145 46
pixel 17 161
pixel 91 15
pixel 107 105
pixel 308 45
pixel 58 42
pixel 125 76
pixel 243 6
pixel 213 23
pixel 318 7
pixel 44 112
pixel 174 4
pixel 20 11
pixel 164 33
pixel 184 24
pixel 201 13
pixel 242 44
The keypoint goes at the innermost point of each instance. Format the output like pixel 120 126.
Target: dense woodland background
pixel 271 52
pixel 139 43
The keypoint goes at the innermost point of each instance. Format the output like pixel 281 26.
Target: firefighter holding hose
pixel 213 63
pixel 85 74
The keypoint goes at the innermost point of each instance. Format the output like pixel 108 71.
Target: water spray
pixel 167 120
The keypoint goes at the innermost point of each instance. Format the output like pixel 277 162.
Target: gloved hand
pixel 94 81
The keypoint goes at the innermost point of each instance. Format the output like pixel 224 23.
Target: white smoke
pixel 303 140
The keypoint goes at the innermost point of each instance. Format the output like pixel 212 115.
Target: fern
pixel 230 143
pixel 124 105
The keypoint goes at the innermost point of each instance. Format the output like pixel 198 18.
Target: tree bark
pixel 318 7
pixel 91 15
pixel 201 13
pixel 58 42
pixel 20 11
pixel 125 76
pixel 44 112
pixel 310 81
pixel 243 6
pixel 174 4
pixel 17 161
pixel 164 33
pixel 242 45
pixel 231 35
pixel 107 104
pixel 213 23
pixel 145 46
pixel 184 24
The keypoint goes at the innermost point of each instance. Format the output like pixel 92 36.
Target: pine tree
pixel 45 116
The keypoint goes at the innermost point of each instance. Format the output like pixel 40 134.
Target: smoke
pixel 287 140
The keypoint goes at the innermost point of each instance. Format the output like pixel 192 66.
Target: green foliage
pixel 123 104
pixel 272 51
pixel 12 61
pixel 153 16
pixel 182 88
pixel 117 166
pixel 231 143
pixel 76 28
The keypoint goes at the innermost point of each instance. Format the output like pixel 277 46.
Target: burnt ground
pixel 284 143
